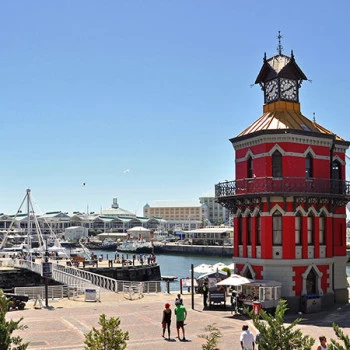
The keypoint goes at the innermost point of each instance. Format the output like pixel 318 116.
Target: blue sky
pixel 89 89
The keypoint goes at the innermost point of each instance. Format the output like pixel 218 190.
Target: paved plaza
pixel 63 325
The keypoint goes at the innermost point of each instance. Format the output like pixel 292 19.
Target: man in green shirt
pixel 181 314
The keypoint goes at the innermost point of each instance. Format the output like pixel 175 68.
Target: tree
pixel 7 341
pixel 212 338
pixel 274 335
pixel 340 334
pixel 227 270
pixel 109 337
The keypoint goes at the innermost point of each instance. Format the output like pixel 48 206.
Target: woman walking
pixel 166 320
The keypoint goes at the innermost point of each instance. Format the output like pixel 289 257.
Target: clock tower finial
pixel 279 47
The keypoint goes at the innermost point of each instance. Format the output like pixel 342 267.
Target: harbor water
pixel 180 265
pixel 175 265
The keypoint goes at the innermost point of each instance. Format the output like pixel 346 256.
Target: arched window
pixel 250 167
pixel 309 166
pixel 249 275
pixel 249 226
pixel 258 230
pixel 336 176
pixel 311 280
pixel 310 230
pixel 240 230
pixel 277 228
pixel 336 170
pixel 276 164
pixel 298 229
pixel 322 230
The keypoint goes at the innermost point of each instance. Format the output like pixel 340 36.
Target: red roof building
pixel 289 194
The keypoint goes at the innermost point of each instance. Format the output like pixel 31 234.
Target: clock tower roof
pixel 283 116
pixel 280 66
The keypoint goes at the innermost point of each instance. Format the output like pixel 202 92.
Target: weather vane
pixel 279 47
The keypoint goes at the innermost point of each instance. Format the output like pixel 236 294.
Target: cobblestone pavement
pixel 62 326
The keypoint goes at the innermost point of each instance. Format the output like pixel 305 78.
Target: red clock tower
pixel 289 194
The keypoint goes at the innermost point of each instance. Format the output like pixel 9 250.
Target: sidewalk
pixel 63 325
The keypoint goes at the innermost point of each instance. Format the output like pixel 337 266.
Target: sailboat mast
pixel 28 222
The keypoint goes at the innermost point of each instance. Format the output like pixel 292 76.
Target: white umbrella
pixel 203 268
pixel 234 280
pixel 232 266
pixel 214 274
pixel 219 266
pixel 138 229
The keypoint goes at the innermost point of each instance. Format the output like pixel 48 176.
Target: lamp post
pixel 46 273
pixel 46 278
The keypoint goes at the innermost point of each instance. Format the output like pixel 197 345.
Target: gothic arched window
pixel 298 229
pixel 277 228
pixel 310 230
pixel 322 230
pixel 240 230
pixel 258 230
pixel 311 281
pixel 249 225
pixel 250 167
pixel 276 164
pixel 309 166
pixel 336 170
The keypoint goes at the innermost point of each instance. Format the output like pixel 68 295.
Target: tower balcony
pixel 283 186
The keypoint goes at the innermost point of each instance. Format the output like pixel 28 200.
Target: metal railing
pixel 54 292
pixel 291 185
pixel 73 276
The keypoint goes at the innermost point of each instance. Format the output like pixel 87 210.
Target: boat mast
pixel 4 241
pixel 29 241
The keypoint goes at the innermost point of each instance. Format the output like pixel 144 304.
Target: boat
pixel 108 244
pixel 135 246
pixel 34 242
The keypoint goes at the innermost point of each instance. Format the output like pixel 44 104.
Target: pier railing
pixel 73 276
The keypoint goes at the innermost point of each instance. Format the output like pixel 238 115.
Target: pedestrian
pixel 323 343
pixel 181 314
pixel 205 294
pixel 247 339
pixel 179 299
pixel 166 320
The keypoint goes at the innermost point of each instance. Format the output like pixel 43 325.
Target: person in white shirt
pixel 247 339
pixel 323 343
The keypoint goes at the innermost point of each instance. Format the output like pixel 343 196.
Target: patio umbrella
pixel 203 268
pixel 219 266
pixel 213 274
pixel 234 280
pixel 232 266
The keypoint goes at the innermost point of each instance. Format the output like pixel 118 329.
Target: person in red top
pixel 166 320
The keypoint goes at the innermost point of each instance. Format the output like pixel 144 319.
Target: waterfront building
pixel 217 214
pixel 183 215
pixel 211 235
pixel 289 194
pixel 116 211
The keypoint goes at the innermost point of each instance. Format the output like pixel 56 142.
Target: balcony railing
pixel 290 185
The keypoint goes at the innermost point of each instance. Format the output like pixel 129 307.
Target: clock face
pixel 289 89
pixel 271 90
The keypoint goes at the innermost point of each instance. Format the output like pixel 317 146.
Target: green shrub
pixel 109 337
